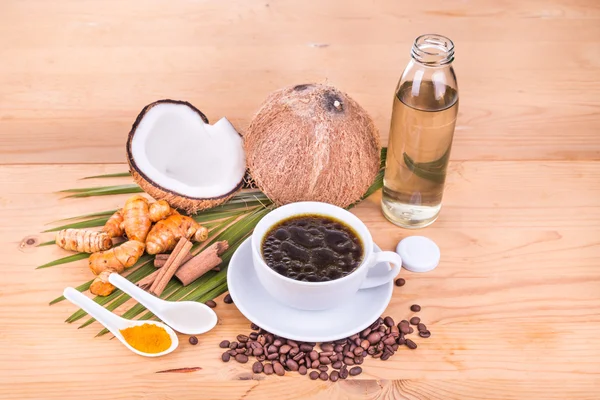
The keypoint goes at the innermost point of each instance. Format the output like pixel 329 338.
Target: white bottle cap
pixel 419 254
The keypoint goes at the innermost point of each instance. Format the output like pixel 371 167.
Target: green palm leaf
pixel 117 175
pixel 64 260
pixel 90 223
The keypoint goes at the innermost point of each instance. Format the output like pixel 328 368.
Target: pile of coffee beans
pixel 330 360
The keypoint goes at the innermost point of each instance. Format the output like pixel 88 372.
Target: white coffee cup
pixel 319 295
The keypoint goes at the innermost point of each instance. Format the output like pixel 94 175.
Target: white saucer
pixel 258 306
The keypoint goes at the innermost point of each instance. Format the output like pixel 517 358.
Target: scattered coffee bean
pixel 257 351
pixel 400 282
pixel 349 361
pixel 401 341
pixel 211 303
pixel 324 360
pixel 421 327
pixel 282 358
pixel 415 308
pixel 268 369
pixel 323 376
pixel 314 375
pixel 315 364
pixel 302 370
pixel 305 348
pixel 240 350
pixel 334 376
pixel 358 351
pixel 337 365
pixel 365 344
pixel 233 345
pixel 225 357
pixel 249 352
pixel 359 360
pixel 313 355
pixel 395 346
pixel 377 355
pixel 323 368
pixel 394 331
pixel 410 330
pixel 326 346
pixel 227 299
pixel 374 337
pixel 298 356
pixel 261 357
pixel 253 336
pixel 292 365
pixel 380 346
pixel 272 349
pixel 415 320
pixel 355 371
pixel 338 348
pixel 410 344
pixel 353 336
pixel 241 358
pixel 193 340
pixel 390 340
pixel 278 342
pixel 242 338
pixel 224 344
pixel 365 332
pixel 257 367
pixel 232 353
pixel 326 354
pixel 371 350
pixel 404 326
pixel 285 349
pixel 272 356
pixel 389 349
pixel 343 372
pixel 254 327
pixel 425 334
pixel 278 369
pixel 388 321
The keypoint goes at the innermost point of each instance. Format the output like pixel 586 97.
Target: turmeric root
pixel 159 210
pixel 165 234
pixel 136 218
pixel 114 225
pixel 82 240
pixel 118 258
pixel 101 286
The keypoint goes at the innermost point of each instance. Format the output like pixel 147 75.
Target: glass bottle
pixel 421 132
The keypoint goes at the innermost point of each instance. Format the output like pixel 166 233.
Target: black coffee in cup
pixel 312 248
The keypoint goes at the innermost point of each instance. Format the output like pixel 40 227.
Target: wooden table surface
pixel 514 307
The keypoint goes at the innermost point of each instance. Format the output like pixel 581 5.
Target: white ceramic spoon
pixel 187 317
pixel 114 323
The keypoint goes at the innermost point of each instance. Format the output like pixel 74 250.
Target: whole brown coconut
pixel 312 142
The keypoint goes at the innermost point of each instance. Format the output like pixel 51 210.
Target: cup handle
pixel 383 256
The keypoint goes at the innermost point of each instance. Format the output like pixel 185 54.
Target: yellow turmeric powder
pixel 147 338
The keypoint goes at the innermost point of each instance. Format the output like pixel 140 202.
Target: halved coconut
pixel 175 155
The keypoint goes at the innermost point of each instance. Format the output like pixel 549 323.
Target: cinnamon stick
pixel 161 259
pixel 202 263
pixel 146 282
pixel 168 270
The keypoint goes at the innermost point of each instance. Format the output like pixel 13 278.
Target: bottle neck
pixel 433 50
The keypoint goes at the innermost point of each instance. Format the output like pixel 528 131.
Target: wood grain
pixel 514 307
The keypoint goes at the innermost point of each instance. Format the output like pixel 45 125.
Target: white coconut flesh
pixel 178 151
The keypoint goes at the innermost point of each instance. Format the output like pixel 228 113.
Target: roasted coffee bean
pixel 421 327
pixel 389 349
pixel 353 336
pixel 292 365
pixel 355 371
pixel 376 324
pixel 224 344
pixel 308 360
pixel 314 375
pixel 338 348
pixel 306 348
pixel 323 376
pixel 358 360
pixel 257 351
pixel 395 346
pixel 323 367
pixel 269 338
pixel 380 346
pixel 364 353
pixel 410 330
pixel 292 343
pixel 225 356
pixel 365 344
pixel 193 340
pixel 233 345
pixel 262 339
pixel 253 336
pixel 410 344
pixel 401 341
pixel 346 348
pixel 285 349
pixel 385 355
pixel 358 351
pixel 227 299
pixel 272 356
pixel 415 308
pixel 327 346
pixel 326 353
pixel 333 358
pixel 302 370
pixel 374 337
pixel 268 369
pixel 282 358
pixel 334 376
pixel 377 355
pixel 349 354
pixel 241 358
pixel 313 355
pixel 343 372
pixel 324 360
pixel 371 350
pixel 277 342
pixel 299 356
pixel 340 341
pixel 249 352
pixel 232 353
pixel 357 341
pixel 400 282
pixel 388 321
pixel 315 364
pixel 382 329
pixel 211 303
pixel 261 357
pixel 349 361
pixel 337 365
pixel 278 369
pixel 242 338
pixel 404 326
pixel 353 346
pixel 252 345
pixel 388 330
pixel 389 340
pixel 365 332
pixel 272 349
pixel 240 350
pixel 394 331
pixel 301 362
pixel 415 320
pixel 257 367
pixel 254 327
pixel 425 334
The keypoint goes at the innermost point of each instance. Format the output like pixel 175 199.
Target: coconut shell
pixel 190 205
pixel 312 142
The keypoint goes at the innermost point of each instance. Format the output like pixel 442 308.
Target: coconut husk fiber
pixel 312 142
